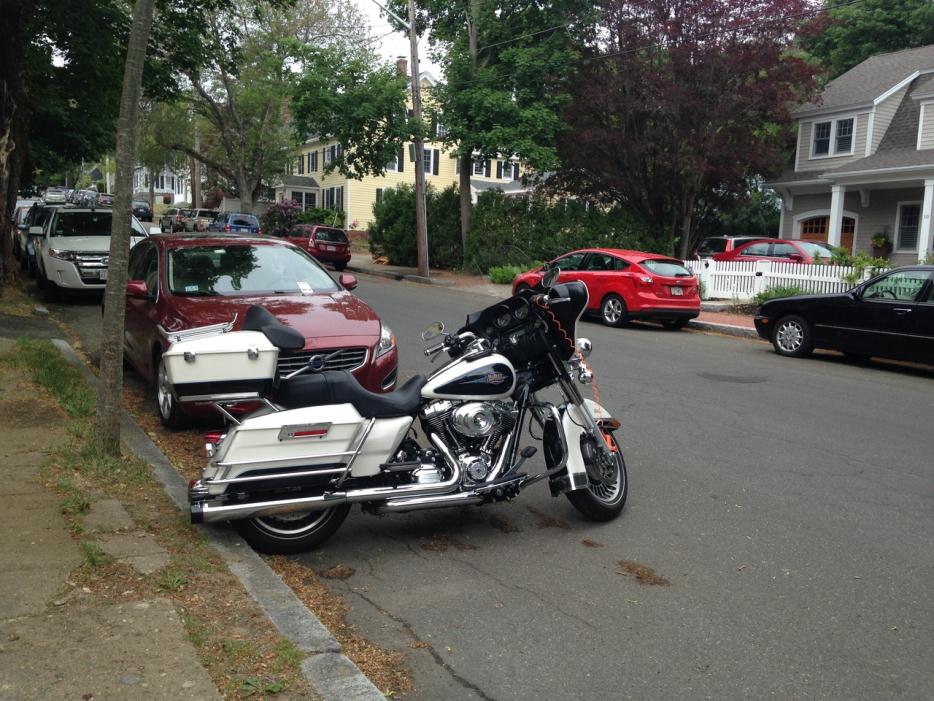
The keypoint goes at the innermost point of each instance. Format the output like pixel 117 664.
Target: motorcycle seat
pixel 281 336
pixel 340 387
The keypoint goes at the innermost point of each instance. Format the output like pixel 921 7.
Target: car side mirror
pixel 154 230
pixel 348 281
pixel 137 288
pixel 35 231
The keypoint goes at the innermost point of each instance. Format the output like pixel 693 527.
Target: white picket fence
pixel 742 280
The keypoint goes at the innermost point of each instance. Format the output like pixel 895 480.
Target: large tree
pixel 681 98
pixel 851 32
pixel 505 64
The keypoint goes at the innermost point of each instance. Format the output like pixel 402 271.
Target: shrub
pixel 505 274
pixel 280 217
pixel 776 292
pixel 319 215
pixel 525 229
pixel 392 232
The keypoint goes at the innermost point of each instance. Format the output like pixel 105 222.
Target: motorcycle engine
pixel 473 430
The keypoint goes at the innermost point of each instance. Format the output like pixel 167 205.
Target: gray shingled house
pixel 864 162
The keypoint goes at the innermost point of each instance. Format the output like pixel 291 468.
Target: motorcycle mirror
pixel 550 277
pixel 433 331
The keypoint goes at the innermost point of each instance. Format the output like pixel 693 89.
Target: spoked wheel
pixel 613 311
pixel 287 534
pixel 170 413
pixel 792 337
pixel 604 498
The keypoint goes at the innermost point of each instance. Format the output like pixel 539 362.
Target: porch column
pixel 925 229
pixel 836 214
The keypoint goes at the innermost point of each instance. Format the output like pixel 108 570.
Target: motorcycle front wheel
pixel 287 534
pixel 603 500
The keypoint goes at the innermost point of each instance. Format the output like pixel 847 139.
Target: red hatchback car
pixel 179 281
pixel 326 243
pixel 625 285
pixel 778 250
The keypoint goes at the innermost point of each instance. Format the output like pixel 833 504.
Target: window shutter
pixel 340 197
pixel 436 156
pixel 401 159
pixel 412 152
pixel 379 195
pixel 309 161
pixel 499 170
pixel 515 171
pixel 486 168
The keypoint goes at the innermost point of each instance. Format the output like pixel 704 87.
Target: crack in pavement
pixel 466 683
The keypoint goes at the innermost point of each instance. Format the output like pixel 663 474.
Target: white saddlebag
pixel 237 362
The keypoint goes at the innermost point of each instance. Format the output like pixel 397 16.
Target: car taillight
pixel 644 280
pixel 226 227
pixel 311 241
pixel 211 441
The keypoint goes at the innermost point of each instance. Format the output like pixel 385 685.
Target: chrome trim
pixel 285 475
pixel 395 506
pixel 353 459
pixel 232 397
pixel 186 334
pixel 288 364
pixel 263 461
pixel 287 433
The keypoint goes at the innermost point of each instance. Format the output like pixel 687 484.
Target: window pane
pixel 600 261
pixel 756 249
pixel 844 136
pixel 783 250
pixel 822 138
pixel 426 159
pixel 901 286
pixel 571 262
pixel 909 216
pixel 668 268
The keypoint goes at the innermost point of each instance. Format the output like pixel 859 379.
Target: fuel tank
pixel 486 377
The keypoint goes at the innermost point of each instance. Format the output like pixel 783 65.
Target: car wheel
pixel 170 414
pixel 674 324
pixel 613 311
pixel 792 337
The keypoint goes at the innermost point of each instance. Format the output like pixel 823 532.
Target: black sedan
pixel 889 316
pixel 142 210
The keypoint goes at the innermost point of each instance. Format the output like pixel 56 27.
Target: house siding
pixel 926 130
pixel 807 164
pixel 884 113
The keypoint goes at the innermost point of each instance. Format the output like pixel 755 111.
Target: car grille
pixel 90 265
pixel 346 359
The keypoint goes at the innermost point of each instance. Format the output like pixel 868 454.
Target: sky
pixel 392 44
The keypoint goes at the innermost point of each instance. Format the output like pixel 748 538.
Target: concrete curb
pixel 728 329
pixel 393 275
pixel 331 673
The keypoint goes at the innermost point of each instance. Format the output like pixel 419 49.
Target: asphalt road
pixel 788 503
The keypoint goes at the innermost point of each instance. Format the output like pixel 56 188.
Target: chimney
pixel 402 66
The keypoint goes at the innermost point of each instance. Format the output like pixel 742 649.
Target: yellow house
pixel 307 184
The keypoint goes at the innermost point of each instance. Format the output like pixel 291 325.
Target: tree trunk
pixel 467 153
pixel 686 220
pixel 14 119
pixel 152 195
pixel 107 420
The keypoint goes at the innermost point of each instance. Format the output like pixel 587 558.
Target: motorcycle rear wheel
pixel 603 501
pixel 289 534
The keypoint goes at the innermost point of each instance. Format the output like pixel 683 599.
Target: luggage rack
pixel 188 334
pixel 218 401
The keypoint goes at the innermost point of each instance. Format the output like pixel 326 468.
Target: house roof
pixel 863 83
pixel 298 181
pixel 887 160
pixel 923 86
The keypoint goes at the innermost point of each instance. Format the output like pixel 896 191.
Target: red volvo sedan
pixel 326 243
pixel 626 285
pixel 178 282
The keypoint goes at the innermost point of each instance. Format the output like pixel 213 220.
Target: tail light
pixel 226 227
pixel 211 441
pixel 644 280
pixel 311 242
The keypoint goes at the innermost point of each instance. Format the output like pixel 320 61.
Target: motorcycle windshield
pixel 563 327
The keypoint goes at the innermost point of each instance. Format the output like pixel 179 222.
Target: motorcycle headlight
pixel 387 341
pixel 62 255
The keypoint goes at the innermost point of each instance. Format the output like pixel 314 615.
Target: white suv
pixel 74 250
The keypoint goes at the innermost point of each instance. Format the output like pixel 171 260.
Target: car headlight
pixel 387 340
pixel 62 255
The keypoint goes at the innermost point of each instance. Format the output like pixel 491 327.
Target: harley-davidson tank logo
pixel 496 378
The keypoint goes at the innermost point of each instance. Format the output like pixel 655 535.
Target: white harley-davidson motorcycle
pixel 287 474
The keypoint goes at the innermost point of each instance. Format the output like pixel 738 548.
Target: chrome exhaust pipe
pixel 203 511
pixel 398 506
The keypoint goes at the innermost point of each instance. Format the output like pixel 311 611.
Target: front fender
pixel 573 427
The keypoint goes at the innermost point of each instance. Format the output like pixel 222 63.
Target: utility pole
pixel 421 220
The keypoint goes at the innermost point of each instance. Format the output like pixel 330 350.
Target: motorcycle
pixel 287 474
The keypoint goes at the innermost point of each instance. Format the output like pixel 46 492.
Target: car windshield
pixel 331 235
pixel 712 246
pixel 229 270
pixel 813 248
pixel 82 224
pixel 667 268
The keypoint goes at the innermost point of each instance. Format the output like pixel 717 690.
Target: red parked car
pixel 625 285
pixel 779 250
pixel 326 243
pixel 183 281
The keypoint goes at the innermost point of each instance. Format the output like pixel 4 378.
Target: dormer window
pixel 836 135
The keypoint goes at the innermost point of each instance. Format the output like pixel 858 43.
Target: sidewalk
pixel 61 637
pixel 714 316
